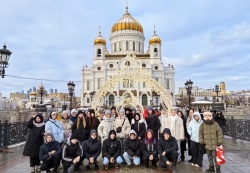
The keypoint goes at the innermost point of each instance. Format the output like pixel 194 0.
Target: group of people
pixel 126 136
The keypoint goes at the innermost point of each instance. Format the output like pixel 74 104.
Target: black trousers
pixel 34 161
pixel 172 157
pixel 67 164
pixel 154 161
pixel 197 156
pixel 53 162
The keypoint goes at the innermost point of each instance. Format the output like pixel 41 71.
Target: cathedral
pixel 126 37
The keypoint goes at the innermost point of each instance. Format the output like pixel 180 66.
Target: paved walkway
pixel 237 155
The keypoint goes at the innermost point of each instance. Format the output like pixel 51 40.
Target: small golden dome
pixel 155 39
pixel 33 93
pixel 127 22
pixel 100 40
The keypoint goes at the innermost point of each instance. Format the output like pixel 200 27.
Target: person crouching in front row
pixel 92 149
pixel 167 148
pixel 149 149
pixel 132 149
pixel 72 154
pixel 111 150
pixel 50 154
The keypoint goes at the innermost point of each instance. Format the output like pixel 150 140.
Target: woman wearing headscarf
pixel 80 127
pixel 35 140
pixel 66 124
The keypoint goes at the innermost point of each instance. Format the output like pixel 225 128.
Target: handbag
pixel 119 129
pixel 220 157
pixel 203 149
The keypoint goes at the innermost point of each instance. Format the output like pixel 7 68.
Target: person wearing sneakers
pixel 211 135
pixel 132 149
pixel 111 151
pixel 35 140
pixel 50 154
pixel 167 148
pixel 193 131
pixel 72 154
pixel 92 149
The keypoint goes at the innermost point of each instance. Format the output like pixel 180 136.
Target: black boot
pixel 210 169
pixel 96 166
pixel 154 165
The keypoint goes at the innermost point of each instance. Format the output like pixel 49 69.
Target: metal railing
pixel 12 133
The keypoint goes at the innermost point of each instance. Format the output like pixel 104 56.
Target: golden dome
pixel 99 40
pixel 33 93
pixel 155 39
pixel 127 22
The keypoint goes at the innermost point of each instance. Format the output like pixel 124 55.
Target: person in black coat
pixel 184 142
pixel 149 149
pixel 132 149
pixel 167 148
pixel 81 128
pixel 91 149
pixel 72 154
pixel 219 118
pixel 153 122
pixel 138 126
pixel 111 150
pixel 36 127
pixel 50 153
pixel 128 114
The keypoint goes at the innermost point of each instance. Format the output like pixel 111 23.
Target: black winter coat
pixel 91 148
pixel 132 147
pixel 35 139
pixel 142 129
pixel 72 151
pixel 48 147
pixel 153 123
pixel 149 149
pixel 111 148
pixel 82 133
pixel 166 145
pixel 220 119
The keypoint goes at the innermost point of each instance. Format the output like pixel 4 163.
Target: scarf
pixel 173 120
pixel 38 124
pixel 109 123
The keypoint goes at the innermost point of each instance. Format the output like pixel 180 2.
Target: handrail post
pixel 5 134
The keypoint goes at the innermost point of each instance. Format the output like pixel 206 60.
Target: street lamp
pixel 217 90
pixel 64 106
pixel 41 91
pixel 157 99
pixel 189 85
pixel 71 88
pixel 4 59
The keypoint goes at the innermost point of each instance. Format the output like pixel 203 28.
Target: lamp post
pixel 4 59
pixel 64 106
pixel 41 92
pixel 217 90
pixel 189 85
pixel 71 88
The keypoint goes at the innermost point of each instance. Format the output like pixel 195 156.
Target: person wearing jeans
pixel 132 149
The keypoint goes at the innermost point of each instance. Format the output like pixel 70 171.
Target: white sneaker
pixel 192 164
pixel 32 169
pixel 38 168
pixel 196 165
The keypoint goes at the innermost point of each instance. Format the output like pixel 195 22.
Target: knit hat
pixel 122 111
pixel 132 132
pixel 112 132
pixel 150 108
pixel 107 112
pixel 65 112
pixel 52 113
pixel 73 111
pixel 166 130
pixel 93 131
pixel 48 134
pixel 73 136
pixel 133 109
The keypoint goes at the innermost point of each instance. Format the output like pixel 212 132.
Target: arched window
pixel 133 46
pixel 87 100
pixel 88 83
pixel 155 52
pixel 98 83
pixel 99 52
pixel 111 99
pixel 144 100
pixel 126 45
pixel 115 47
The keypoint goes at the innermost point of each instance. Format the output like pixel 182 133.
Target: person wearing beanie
pixel 175 124
pixel 122 127
pixel 36 127
pixel 211 135
pixel 167 149
pixel 111 151
pixel 106 125
pixel 193 131
pixel 132 149
pixel 163 120
pixel 153 122
pixel 73 116
pixel 149 149
pixel 50 154
pixel 54 127
pixel 93 121
pixel 92 149
pixel 72 154
pixel 80 127
pixel 66 124
pixel 138 125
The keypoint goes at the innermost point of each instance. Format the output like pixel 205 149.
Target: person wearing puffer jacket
pixel 138 125
pixel 66 124
pixel 193 131
pixel 106 125
pixel 54 127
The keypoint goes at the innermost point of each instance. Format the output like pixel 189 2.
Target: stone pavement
pixel 237 153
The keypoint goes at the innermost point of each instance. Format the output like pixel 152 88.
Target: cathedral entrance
pixel 130 74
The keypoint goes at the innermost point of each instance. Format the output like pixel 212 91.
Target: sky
pixel 207 41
